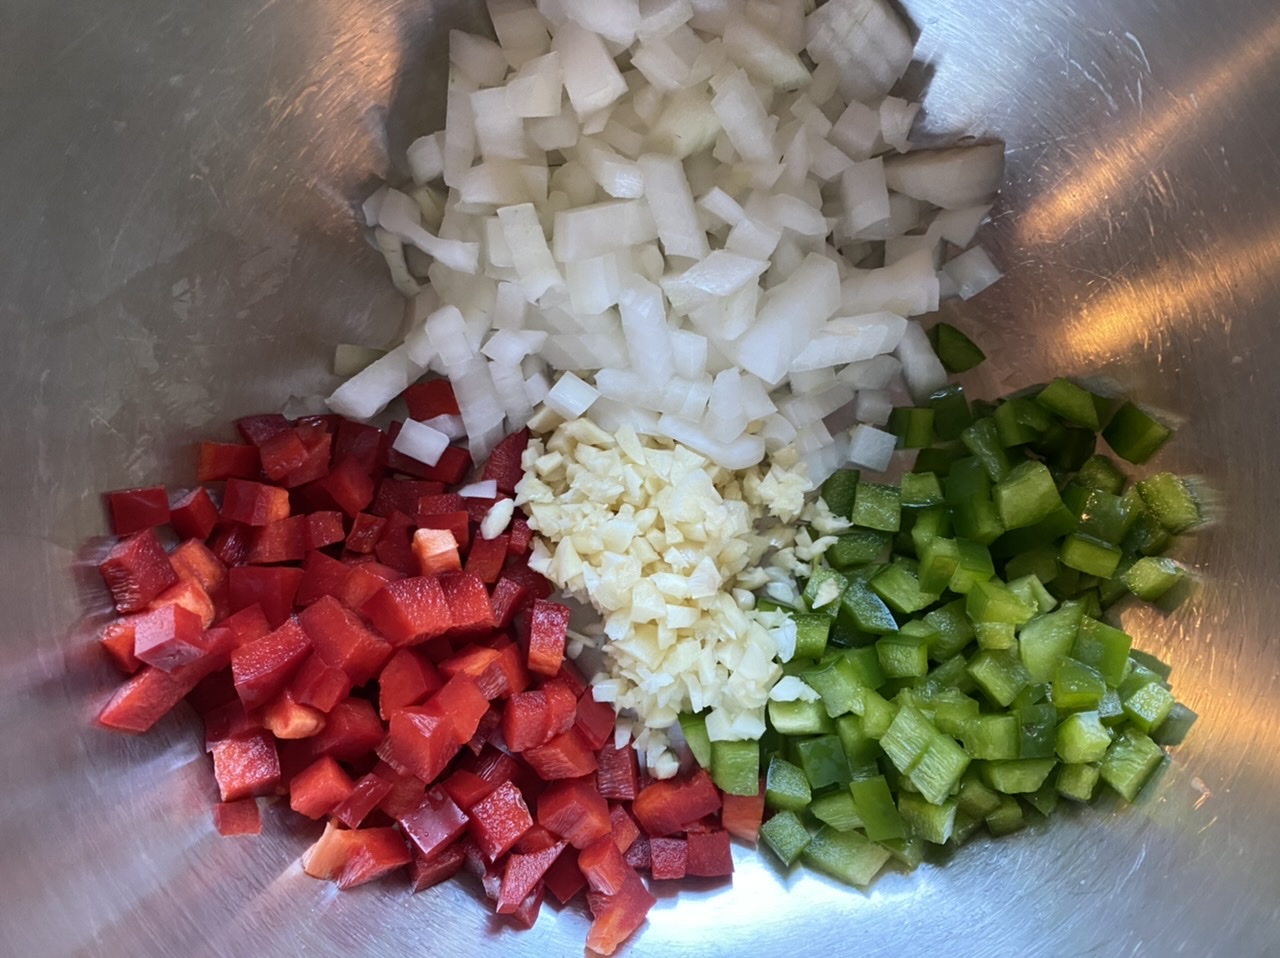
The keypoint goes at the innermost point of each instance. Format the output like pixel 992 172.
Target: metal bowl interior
pixel 178 181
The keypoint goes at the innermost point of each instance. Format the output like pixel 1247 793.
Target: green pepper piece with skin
pixel 785 836
pixel 956 351
pixel 1135 435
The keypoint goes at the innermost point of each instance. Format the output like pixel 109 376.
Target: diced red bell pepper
pixel 168 637
pixel 486 731
pixel 272 587
pixel 488 873
pixel 547 632
pixel 319 788
pixel 514 677
pixel 343 640
pixel 253 503
pixel 406 790
pixel 190 596
pixel 443 503
pixel 469 609
pixel 230 543
pixel 258 429
pixel 564 879
pixel 355 856
pixel 617 916
pixel 574 810
pixel 262 667
pixel 284 540
pixel 318 684
pixel 361 442
pixel 572 678
pixel 454 464
pixel 315 465
pixel 227 721
pixel 363 582
pixel 136 570
pixel 461 704
pixel 594 721
pixel 409 610
pixel 215 687
pixel 402 495
pixel 666 807
pixel 247 625
pixel 625 831
pixel 477 507
pixel 565 756
pixel 321 576
pixel 407 679
pixel 710 854
pixel 668 857
pixel 246 766
pixel 436 551
pixel 323 529
pixel 352 729
pixel 507 598
pixel 521 536
pixel 562 707
pixel 522 874
pixel 435 824
pixel 367 794
pixel 494 766
pixel 486 558
pixel 536 839
pixel 133 510
pixel 241 817
pixel 287 719
pixel 637 856
pixel 227 460
pixel 618 774
pixel 150 694
pixel 466 788
pixel 194 515
pixel 498 820
pixel 117 642
pixel 602 865
pixel 742 815
pixel 282 453
pixel 420 742
pixel 395 548
pixel 504 465
pixel 427 872
pixel 349 485
pixel 458 523
pixel 193 562
pixel 478 663
pixel 525 721
pixel 365 531
pixel 429 399
pixel 526 916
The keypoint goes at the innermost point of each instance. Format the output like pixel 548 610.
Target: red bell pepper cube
pixel 419 742
pixel 284 540
pixel 407 679
pixel 637 856
pixel 349 485
pixel 572 678
pixel 361 442
pixel 230 543
pixel 409 610
pixel 246 766
pixel 435 551
pixel 461 704
pixel 710 854
pixel 443 503
pixel 117 642
pixel 227 721
pixel 356 856
pixel 506 600
pixel 241 817
pixel 466 788
pixel 498 820
pixel 258 429
pixel 486 558
pixel 363 581
pixel 742 815
pixel 315 465
pixel 617 916
pixel 479 664
pixel 282 453
pixel 272 587
pixel 168 637
pixel 521 536
pixel 428 872
pixel 365 532
pixel 288 719
pixel 367 794
pixel 248 624
pixel 526 916
pixel 454 464
pixel 564 879
pixel 547 632
pixel 429 399
pixel 602 865
pixel 136 570
pixel 469 609
pixel 478 507
pixel 458 523
pixel 618 774
pixel 262 667
pixel 253 503
pixel 666 807
pixel 562 707
pixel 406 790
pixel 522 874
pixel 318 684
pixel 435 824
pixel 194 515
pixel 227 460
pixel 535 583
pixel 217 688
pixel 150 694
pixel 624 829
pixel 189 596
pixel 536 839
pixel 594 721
pixel 668 857
pixel 134 510
pixel 323 529
pixel 565 756
pixel 494 766
pixel 395 548
pixel 352 730
pixel 513 677
pixel 574 810
pixel 488 873
pixel 486 732
pixel 193 562
pixel 504 465
pixel 321 575
pixel 343 640
pixel 319 788
pixel 402 495
pixel 525 721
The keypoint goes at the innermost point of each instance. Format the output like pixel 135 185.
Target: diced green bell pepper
pixel 1077 782
pixel 1099 472
pixel 1102 647
pixel 1026 495
pixel 1152 576
pixel 1047 531
pixel 837 810
pixel 1000 675
pixel 857 547
pixel 992 601
pixel 812 631
pixel 1071 402
pixel 1007 818
pixel 957 352
pixel 1134 435
pixel 1019 421
pixel 822 759
pixel 786 787
pixel 824 589
pixel 735 767
pixel 1017 776
pixel 953 627
pixel 1076 685
pixel 1041 562
pixel 860 749
pixel 1082 738
pixel 903 656
pixel 1130 762
pixel 1170 500
pixel 950 412
pixel 1037 730
pixel 694 729
pixel 839 490
pixel 907 738
pixel 901 590
pixel 874 804
pixel 939 769
pixel 862 609
pixel 799 718
pixel 1089 555
pixel 983 442
pixel 1148 707
pixel 975 797
pixel 920 490
pixel 913 425
pixel 933 823
pixel 877 506
pixel 849 857
pixel 786 836
pixel 992 737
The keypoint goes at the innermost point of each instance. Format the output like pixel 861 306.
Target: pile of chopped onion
pixel 700 219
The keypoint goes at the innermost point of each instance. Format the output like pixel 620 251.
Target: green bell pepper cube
pixel 948 675
pixel 694 728
pixel 907 738
pixel 1099 472
pixel 860 749
pixel 786 836
pixel 1170 500
pixel 840 690
pixel 901 590
pixel 1137 676
pixel 903 656
pixel 996 635
pixel 1089 555
pixel 1152 576
pixel 1071 402
pixel 857 547
pixel 1176 726
pixel 1111 709
pixel 1040 561
pixel 1103 516
pixel 939 769
pixel 950 412
pixel 913 425
pixel 939 559
pixel 1148 707
pixel 877 506
pixel 983 442
pixel 1033 694
pixel 1007 818
pixel 956 351
pixel 954 629
pixel 975 798
pixel 823 761
pixel 999 674
pixel 799 718
pixel 1047 531
pixel 1037 730
pixel 875 806
pixel 1019 421
pixel 1134 435
pixel 932 523
pixel 1030 590
pixel 952 715
pixel 992 601
pixel 1146 537
pixel 1066 448
pixel 1017 776
pixel 735 767
pixel 839 490
pixel 1076 685
pixel 1152 663
pixel 812 632
pixel 786 787
pixel 1077 782
pixel 974 568
pixel 933 823
pixel 1082 738
pixel 863 666
pixel 837 810
pixel 920 490
pixel 965 828
pixel 968 478
pixel 823 590
pixel 862 609
pixel 849 857
pixel 1102 647
pixel 939 459
pixel 877 714
pixel 1026 495
pixel 1045 798
pixel 1130 762
pixel 992 737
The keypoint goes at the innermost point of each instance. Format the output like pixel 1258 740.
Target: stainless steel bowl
pixel 177 182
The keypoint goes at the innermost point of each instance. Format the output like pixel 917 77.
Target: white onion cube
pixel 871 448
pixel 570 397
pixel 419 441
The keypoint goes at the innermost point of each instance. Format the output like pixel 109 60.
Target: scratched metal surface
pixel 176 181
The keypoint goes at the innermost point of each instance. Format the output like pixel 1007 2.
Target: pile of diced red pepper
pixel 354 644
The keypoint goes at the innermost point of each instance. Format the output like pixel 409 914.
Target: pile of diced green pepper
pixel 955 637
